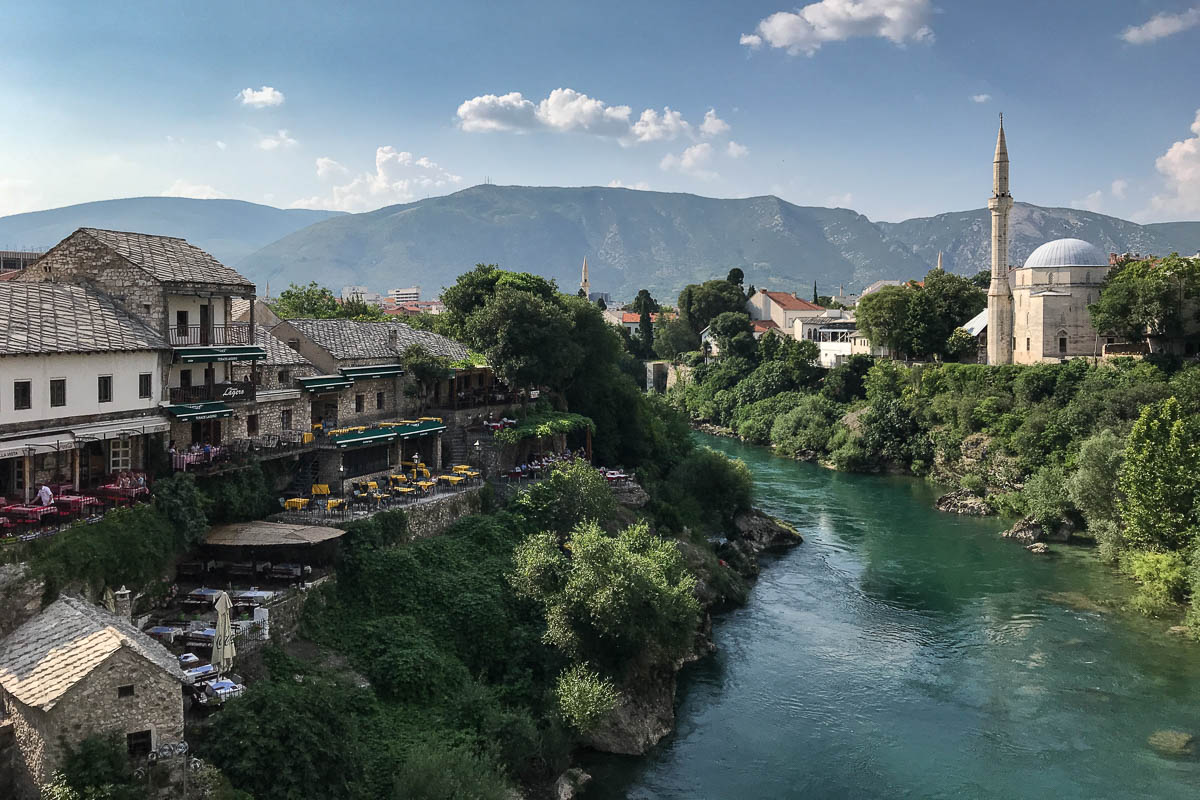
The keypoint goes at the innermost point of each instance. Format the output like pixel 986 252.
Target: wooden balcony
pixel 237 333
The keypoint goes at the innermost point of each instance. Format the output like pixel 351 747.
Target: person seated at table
pixel 171 447
pixel 141 480
pixel 195 448
pixel 122 480
pixel 45 496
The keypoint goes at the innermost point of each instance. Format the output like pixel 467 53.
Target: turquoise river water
pixel 901 652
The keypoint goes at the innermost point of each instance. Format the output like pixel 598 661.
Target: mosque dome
pixel 1067 253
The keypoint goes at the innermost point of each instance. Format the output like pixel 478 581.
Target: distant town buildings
pixel 12 261
pixel 361 293
pixel 403 296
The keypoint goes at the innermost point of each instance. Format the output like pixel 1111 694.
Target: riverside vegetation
pixel 1109 451
pixel 474 663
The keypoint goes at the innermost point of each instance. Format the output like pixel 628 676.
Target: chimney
pixel 393 340
pixel 123 601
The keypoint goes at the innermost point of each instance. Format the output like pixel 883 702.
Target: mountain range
pixel 632 239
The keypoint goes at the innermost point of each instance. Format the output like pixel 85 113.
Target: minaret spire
pixel 1000 302
pixel 585 285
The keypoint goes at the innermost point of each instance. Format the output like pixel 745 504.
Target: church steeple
pixel 585 285
pixel 1000 301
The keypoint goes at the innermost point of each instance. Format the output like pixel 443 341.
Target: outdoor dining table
pixel 334 503
pixel 26 512
pixel 426 485
pixel 196 673
pixel 296 503
pixel 453 480
pixel 76 502
pixel 188 659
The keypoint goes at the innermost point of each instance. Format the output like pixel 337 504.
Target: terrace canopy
pixel 194 412
pixel 372 371
pixel 325 383
pixel 204 355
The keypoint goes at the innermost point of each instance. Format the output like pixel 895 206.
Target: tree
pixel 306 302
pixel 883 317
pixel 700 303
pixel 526 338
pixel 734 334
pixel 1157 480
pixel 960 343
pixel 609 598
pixel 645 306
pixel 816 297
pixel 644 303
pixel 354 307
pixel 982 279
pixel 1092 487
pixel 736 277
pixel 672 337
pixel 584 697
pixel 600 304
pixel 426 368
pixel 574 493
pixel 945 302
pixel 1150 298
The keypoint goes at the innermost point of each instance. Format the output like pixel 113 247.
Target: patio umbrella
pixel 223 649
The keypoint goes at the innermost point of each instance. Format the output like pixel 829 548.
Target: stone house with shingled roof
pixel 75 670
pixel 185 296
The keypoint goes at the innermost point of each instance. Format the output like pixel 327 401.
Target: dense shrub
pixel 573 493
pixel 1162 579
pixel 584 697
pixel 708 488
pixel 807 427
pixel 1046 496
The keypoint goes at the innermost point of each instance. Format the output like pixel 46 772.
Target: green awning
pixel 370 436
pixel 325 383
pixel 371 371
pixel 194 412
pixel 419 429
pixel 203 355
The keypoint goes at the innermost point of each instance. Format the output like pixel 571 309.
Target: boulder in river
pixel 764 532
pixel 1028 530
pixel 1038 548
pixel 963 501
pixel 570 784
pixel 1172 743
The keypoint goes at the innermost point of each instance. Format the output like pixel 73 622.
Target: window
pixel 1062 344
pixel 252 424
pixel 104 389
pixel 139 743
pixel 360 402
pixel 58 392
pixel 379 400
pixel 144 388
pixel 185 378
pixel 181 324
pixel 120 455
pixel 1027 343
pixel 22 395
pixel 125 691
pixel 146 308
pixel 285 377
pixel 285 419
pixel 293 343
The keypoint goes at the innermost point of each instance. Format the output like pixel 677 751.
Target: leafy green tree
pixel 806 428
pixel 961 343
pixel 734 334
pixel 845 382
pixel 1092 487
pixel 435 771
pixel 573 493
pixel 526 338
pixel 644 303
pixel 354 307
pixel 1148 298
pixel 937 308
pixel 672 337
pixel 1046 496
pixel 425 367
pixel 736 277
pixel 883 317
pixel 1158 478
pixel 98 768
pixel 700 304
pixel 610 598
pixel 306 302
pixel 584 698
pixel 181 502
pixel 982 279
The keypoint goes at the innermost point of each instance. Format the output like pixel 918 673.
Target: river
pixel 901 652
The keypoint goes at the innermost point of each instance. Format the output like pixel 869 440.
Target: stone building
pixel 1038 312
pixel 79 387
pixel 280 406
pixel 782 307
pixel 186 297
pixel 75 670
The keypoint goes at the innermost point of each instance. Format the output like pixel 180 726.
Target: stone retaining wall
pixel 433 517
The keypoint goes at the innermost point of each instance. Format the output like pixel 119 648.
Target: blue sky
pixel 885 106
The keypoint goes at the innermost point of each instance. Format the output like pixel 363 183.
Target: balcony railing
pixel 236 392
pixel 193 335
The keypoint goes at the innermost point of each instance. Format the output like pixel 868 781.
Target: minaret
pixel 585 285
pixel 939 266
pixel 1000 302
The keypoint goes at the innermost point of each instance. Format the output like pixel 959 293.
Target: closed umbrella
pixel 223 647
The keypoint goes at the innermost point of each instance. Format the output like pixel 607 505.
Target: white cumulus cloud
pixel 980 98
pixel 736 150
pixel 1180 168
pixel 693 161
pixel 1090 202
pixel 807 29
pixel 399 177
pixel 265 97
pixel 1118 188
pixel 567 110
pixel 328 168
pixel 1162 25
pixel 220 145
pixel 713 125
pixel 197 191
pixel 278 141
pixel 18 195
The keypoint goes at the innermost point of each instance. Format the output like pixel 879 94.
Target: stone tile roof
pixel 168 259
pixel 41 660
pixel 347 338
pixel 278 353
pixel 59 318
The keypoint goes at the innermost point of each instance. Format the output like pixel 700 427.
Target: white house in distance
pixel 831 331
pixel 781 307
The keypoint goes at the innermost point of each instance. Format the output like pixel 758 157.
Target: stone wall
pixel 270 417
pixel 433 517
pixel 93 706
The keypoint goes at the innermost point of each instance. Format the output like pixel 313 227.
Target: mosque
pixel 1038 312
